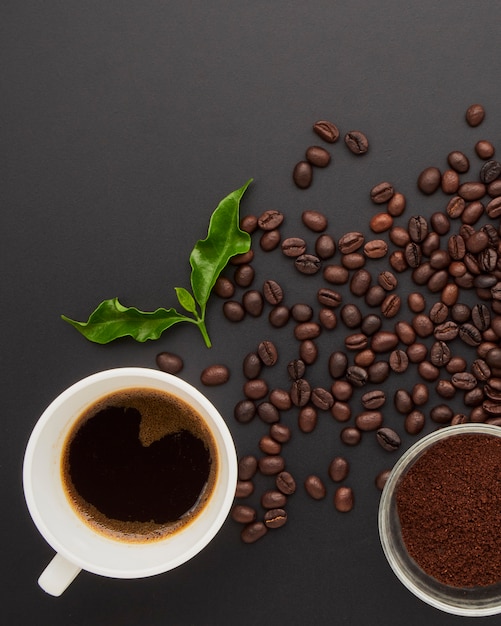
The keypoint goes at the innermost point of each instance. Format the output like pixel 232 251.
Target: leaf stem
pixel 205 334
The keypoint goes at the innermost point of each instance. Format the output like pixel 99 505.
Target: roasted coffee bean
pixel 356 142
pixel 253 532
pixel 422 274
pixel 418 228
pixel 429 180
pixel 268 412
pixel 360 282
pixel 341 411
pixel 215 375
pixel 440 223
pixel 271 465
pixel 224 288
pixel 244 275
pixel 450 181
pixel 396 204
pixel 342 390
pixel 413 254
pixel 450 294
pixel 247 467
pixel 302 174
pixel 489 171
pixel 301 312
pixel 256 389
pixel 399 361
pixel 381 222
pixel 267 352
pixel 456 364
pixel 369 420
pixel 481 370
pixel 243 514
pixel 384 341
pixel 293 246
pixel 403 401
pixel 273 498
pixel 388 439
pixel 376 249
pixel 329 297
pixel 307 419
pixel 493 208
pixel 325 247
pixel 350 436
pixel 375 295
pixel 244 411
pixel 318 156
pixel 445 389
pixel 326 130
pixel 252 365
pixel 327 318
pixel 405 333
pixel 351 242
pixel 419 394
pixel 459 418
pixel 440 259
pixel 382 192
pixel 440 353
pixel 252 302
pixel 370 324
pixel 285 483
pixel 244 489
pixel 336 274
pixel 387 280
pixel 439 313
pixel 338 362
pixel 233 311
pixel 314 220
pixel 493 358
pixel 344 499
pixel 275 518
pixel 351 315
pixel 446 332
pixel 378 372
pixel 300 392
pixel 356 375
pixel 307 330
pixel 423 325
pixel 484 149
pixel 494 188
pixel 431 244
pixel 321 398
pixel 248 223
pixel 308 351
pixel 458 161
pixel 307 264
pixel 464 381
pixel 480 316
pixel 296 369
pixel 280 399
pixel 269 220
pixel 428 371
pixel 279 316
pixel 438 281
pixel 382 478
pixel 391 306
pixel 472 190
pixel 270 240
pixel 399 236
pixel 477 242
pixel 315 487
pixel 353 261
pixel 372 400
pixel 241 259
pixel 357 341
pixel 472 212
pixel 269 446
pixel 441 414
pixel 339 468
pixel 364 358
pixel 272 292
pixel 475 114
pixel 280 432
pixel 169 362
pixel 470 334
pixel 455 207
pixel 414 422
pixel 416 302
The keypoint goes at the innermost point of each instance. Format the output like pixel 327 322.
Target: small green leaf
pixel 186 300
pixel 224 240
pixel 111 320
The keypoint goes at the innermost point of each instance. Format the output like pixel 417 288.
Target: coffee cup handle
pixel 58 575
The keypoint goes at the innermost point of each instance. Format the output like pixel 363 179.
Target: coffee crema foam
pixel 116 465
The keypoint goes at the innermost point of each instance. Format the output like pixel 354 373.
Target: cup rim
pixel 145 376
pixel 401 466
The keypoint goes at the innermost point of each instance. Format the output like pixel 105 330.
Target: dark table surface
pixel 122 126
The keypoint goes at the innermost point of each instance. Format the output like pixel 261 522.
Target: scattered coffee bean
pixel 169 362
pixel 302 174
pixel 285 483
pixel 314 220
pixel 339 469
pixel 243 514
pixel 275 518
pixel 318 156
pixel 215 375
pixel 315 487
pixel 253 532
pixel 388 439
pixel 343 499
pixel 475 114
pixel 326 130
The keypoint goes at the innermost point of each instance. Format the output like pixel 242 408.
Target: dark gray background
pixel 122 126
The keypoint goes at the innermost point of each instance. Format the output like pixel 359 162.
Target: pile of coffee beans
pixel 447 325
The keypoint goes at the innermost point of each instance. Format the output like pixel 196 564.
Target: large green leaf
pixel 224 240
pixel 111 320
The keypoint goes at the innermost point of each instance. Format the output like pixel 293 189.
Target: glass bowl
pixel 469 601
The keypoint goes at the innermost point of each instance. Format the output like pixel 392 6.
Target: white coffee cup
pixel 77 545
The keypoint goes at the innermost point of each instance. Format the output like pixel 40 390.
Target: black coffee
pixel 139 464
